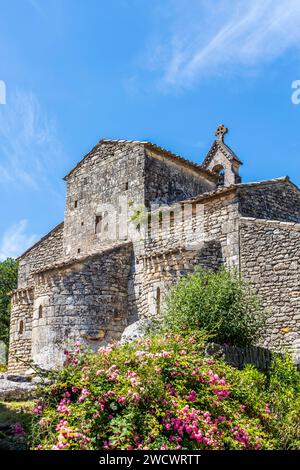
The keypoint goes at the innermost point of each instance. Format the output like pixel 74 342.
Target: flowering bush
pixel 164 393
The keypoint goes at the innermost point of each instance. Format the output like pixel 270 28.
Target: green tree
pixel 8 282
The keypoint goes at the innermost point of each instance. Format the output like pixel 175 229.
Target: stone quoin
pixel 138 217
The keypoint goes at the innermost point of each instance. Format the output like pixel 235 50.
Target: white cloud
pixel 29 147
pixel 16 240
pixel 202 38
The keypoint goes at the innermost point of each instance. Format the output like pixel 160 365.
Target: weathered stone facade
pixel 137 218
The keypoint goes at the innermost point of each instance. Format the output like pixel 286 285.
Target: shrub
pixel 218 302
pixel 162 393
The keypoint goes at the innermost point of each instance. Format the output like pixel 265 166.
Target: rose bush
pixel 163 392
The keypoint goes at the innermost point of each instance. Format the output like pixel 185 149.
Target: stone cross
pixel 220 132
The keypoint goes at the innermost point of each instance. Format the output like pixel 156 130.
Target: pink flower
pixel 121 400
pixel 83 395
pixel 165 354
pixel 19 430
pixel 267 409
pixel 191 396
pixel 38 409
pixel 105 350
pixel 63 409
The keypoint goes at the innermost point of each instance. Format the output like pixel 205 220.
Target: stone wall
pixel 48 250
pixel 167 181
pixel 113 170
pixel 203 233
pixel 85 300
pixel 270 261
pixel 20 331
pixel 275 201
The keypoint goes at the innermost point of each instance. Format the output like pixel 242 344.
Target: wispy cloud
pixel 16 240
pixel 204 38
pixel 29 146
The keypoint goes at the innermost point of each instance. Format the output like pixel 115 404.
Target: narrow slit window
pixel 172 219
pixel 158 300
pixel 78 250
pixel 126 186
pixel 21 327
pixel 149 225
pixel 75 204
pixel 160 220
pixel 40 311
pixel 194 210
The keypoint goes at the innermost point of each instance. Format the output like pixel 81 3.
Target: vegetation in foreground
pixel 15 424
pixel 218 302
pixel 164 393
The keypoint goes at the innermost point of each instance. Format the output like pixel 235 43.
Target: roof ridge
pixel 54 229
pixel 221 190
pixel 223 147
pixel 64 262
pixel 152 146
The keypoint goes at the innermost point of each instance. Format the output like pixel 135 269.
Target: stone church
pixel 137 217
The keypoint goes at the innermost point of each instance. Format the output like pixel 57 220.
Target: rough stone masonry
pixel 137 218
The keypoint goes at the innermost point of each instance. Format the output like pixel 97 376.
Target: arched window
pixel 21 327
pixel 219 169
pixel 158 301
pixel 40 311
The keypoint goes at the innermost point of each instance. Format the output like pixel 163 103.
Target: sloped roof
pixel 223 190
pixel 220 145
pixel 52 231
pixel 148 145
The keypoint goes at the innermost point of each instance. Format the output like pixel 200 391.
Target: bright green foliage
pixel 165 393
pixel 218 302
pixel 8 282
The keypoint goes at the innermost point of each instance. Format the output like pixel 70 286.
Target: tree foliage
pixel 218 302
pixel 8 282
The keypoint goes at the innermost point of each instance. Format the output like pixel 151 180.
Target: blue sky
pixel 168 71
